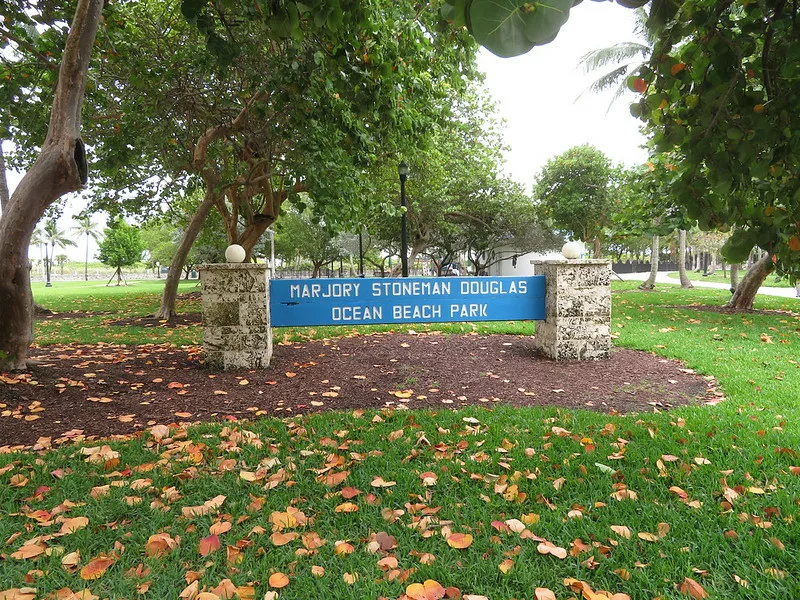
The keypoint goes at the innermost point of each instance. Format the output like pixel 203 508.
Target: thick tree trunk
pixel 59 169
pixel 167 309
pixel 745 293
pixel 734 277
pixel 3 181
pixel 650 282
pixel 685 282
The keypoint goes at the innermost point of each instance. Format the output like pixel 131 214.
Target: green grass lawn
pixel 495 503
pixel 718 277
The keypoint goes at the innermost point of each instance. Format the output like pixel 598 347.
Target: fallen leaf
pixel 28 551
pixel 278 580
pixel 459 540
pixel 350 578
pixel 506 565
pixel 548 548
pixel 97 566
pixel 209 544
pixel 73 524
pixel 544 594
pixel 430 590
pixel 691 588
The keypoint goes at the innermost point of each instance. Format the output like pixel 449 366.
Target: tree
pixel 89 229
pixel 298 234
pixel 573 192
pixel 60 260
pixel 121 247
pixel 722 87
pixel 684 277
pixel 54 237
pixel 59 168
pixel 288 113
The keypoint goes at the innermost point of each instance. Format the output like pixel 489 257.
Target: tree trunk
pixel 59 169
pixel 745 293
pixel 3 181
pixel 167 309
pixel 650 282
pixel 734 277
pixel 685 282
pixel 252 233
pixel 598 247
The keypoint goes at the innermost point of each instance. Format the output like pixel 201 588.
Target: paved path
pixel 663 277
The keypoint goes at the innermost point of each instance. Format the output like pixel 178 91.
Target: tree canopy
pixel 573 191
pixel 721 94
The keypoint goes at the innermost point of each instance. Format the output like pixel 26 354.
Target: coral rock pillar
pixel 236 325
pixel 577 323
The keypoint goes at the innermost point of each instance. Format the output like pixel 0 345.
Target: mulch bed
pixel 78 392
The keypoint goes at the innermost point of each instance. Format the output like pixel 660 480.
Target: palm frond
pixel 622 52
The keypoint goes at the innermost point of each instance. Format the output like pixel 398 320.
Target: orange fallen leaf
pixel 220 527
pixel 430 590
pixel 26 593
pixel 346 507
pixel 209 544
pixel 506 565
pixel 459 540
pixel 333 479
pixel 208 507
pixel 159 544
pixel 97 566
pixel 278 580
pixel 28 551
pixel 281 539
pixel 73 524
pixel 544 594
pixel 548 548
pixel 690 587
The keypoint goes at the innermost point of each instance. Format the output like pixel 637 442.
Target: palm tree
pixel 54 237
pixel 37 239
pixel 624 58
pixel 89 229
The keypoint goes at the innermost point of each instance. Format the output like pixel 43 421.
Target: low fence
pixel 642 267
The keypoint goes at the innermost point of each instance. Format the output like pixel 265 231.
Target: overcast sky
pixel 536 94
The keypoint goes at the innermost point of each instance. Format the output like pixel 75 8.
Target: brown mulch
pixel 104 389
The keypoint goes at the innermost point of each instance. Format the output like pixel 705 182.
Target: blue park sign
pixel 356 301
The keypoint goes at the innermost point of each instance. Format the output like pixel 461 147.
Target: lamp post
pixel 402 170
pixel 360 253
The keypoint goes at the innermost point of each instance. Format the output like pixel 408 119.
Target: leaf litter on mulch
pixel 84 391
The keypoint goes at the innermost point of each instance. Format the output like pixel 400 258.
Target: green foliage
pixel 573 191
pixel 122 245
pixel 721 93
pixel 300 234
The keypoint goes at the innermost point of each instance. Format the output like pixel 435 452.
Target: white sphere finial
pixel 235 253
pixel 572 250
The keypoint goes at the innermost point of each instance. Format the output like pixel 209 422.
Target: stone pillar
pixel 236 330
pixel 577 323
